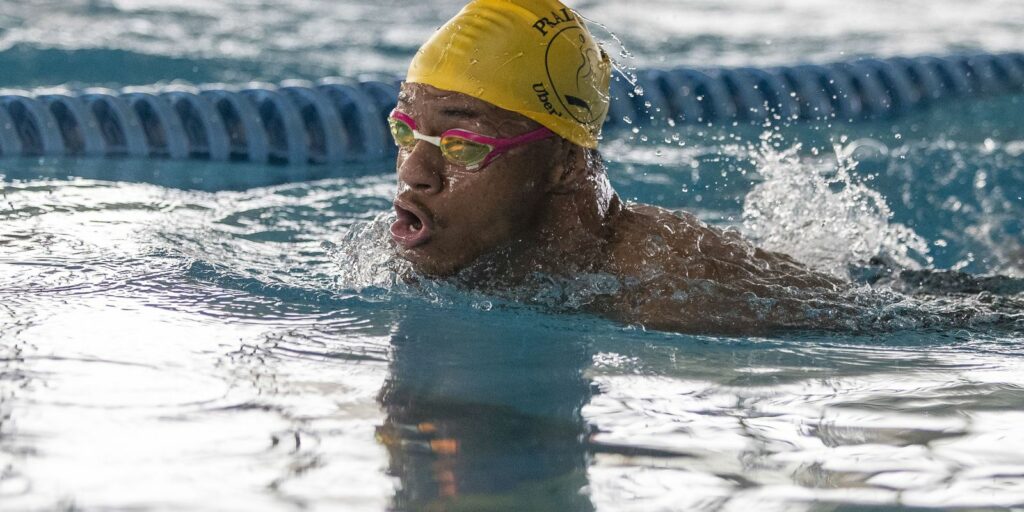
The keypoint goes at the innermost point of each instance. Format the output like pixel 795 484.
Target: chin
pixel 432 266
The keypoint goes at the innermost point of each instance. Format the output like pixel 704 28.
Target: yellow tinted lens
pixel 464 152
pixel 402 133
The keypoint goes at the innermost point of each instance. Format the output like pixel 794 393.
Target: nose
pixel 420 168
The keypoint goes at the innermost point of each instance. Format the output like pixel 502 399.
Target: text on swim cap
pixel 545 99
pixel 557 17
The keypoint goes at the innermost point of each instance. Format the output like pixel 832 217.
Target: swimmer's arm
pixel 665 310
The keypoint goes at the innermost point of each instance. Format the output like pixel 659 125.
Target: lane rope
pixel 336 120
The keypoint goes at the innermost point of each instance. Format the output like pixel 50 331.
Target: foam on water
pixel 366 257
pixel 820 214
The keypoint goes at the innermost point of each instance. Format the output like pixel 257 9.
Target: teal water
pixel 198 336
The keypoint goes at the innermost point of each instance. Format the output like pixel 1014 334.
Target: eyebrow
pixel 452 111
pixel 463 113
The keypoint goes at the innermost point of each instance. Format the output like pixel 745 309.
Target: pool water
pixel 200 336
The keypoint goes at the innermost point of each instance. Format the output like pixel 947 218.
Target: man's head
pixel 504 70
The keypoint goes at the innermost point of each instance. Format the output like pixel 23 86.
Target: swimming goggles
pixel 460 147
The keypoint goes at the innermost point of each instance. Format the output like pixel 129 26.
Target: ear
pixel 570 169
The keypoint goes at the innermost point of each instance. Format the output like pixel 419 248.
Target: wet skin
pixel 467 213
pixel 548 207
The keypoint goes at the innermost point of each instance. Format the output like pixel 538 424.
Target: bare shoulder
pixel 650 227
pixel 680 273
pixel 646 239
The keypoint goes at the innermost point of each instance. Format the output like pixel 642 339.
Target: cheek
pixel 474 221
pixel 501 207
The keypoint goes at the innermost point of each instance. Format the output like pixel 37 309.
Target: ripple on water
pixel 874 425
pixel 209 342
pixel 96 383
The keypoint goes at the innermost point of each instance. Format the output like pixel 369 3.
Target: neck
pixel 569 237
pixel 574 226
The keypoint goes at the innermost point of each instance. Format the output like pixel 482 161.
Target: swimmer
pixel 500 180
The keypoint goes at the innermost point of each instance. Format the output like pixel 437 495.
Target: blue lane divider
pixel 334 120
pixel 246 136
pixel 119 124
pixel 204 129
pixel 34 124
pixel 76 122
pixel 161 126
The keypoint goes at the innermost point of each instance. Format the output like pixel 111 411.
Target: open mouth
pixel 411 229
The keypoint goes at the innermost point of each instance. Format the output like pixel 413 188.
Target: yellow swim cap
pixel 533 57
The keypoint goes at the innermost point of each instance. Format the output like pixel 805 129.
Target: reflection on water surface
pixel 183 335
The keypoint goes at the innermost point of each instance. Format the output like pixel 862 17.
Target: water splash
pixel 366 258
pixel 368 265
pixel 821 215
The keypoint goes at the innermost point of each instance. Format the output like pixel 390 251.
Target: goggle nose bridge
pixel 426 138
